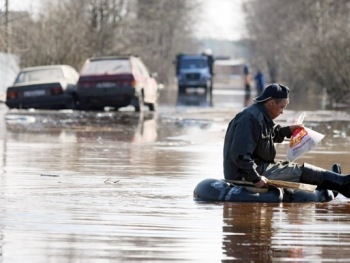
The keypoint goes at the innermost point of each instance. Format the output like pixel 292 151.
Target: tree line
pixel 69 31
pixel 303 43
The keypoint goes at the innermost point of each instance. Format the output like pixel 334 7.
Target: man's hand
pixel 262 183
pixel 296 127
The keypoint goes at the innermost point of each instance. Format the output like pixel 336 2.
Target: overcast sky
pixel 223 19
pixel 23 5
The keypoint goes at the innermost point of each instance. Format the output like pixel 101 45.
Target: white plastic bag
pixel 302 141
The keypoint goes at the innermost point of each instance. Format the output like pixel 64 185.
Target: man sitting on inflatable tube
pixel 249 150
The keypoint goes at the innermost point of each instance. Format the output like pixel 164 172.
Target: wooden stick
pixel 280 183
pixel 292 185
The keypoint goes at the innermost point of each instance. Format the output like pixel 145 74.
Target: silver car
pixel 44 87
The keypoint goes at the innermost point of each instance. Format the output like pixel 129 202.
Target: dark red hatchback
pixel 116 81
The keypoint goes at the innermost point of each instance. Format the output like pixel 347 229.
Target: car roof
pixel 111 57
pixel 45 67
pixel 193 57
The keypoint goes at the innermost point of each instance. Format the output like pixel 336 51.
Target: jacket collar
pixel 266 115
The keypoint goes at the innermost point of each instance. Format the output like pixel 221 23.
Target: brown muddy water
pixel 117 187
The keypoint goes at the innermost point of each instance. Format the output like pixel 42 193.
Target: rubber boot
pixel 336 168
pixel 326 179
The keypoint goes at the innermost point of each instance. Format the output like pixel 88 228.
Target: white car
pixel 44 87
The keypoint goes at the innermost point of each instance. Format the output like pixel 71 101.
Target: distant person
pixel 259 82
pixel 209 53
pixel 247 90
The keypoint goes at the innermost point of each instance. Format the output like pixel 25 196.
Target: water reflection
pixel 200 99
pixel 57 207
pixel 311 232
pixel 123 126
pixel 69 139
pixel 292 238
pixel 290 232
pixel 247 232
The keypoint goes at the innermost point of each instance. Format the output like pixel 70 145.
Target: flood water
pixel 118 187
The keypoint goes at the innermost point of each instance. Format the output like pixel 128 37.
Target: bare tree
pixel 305 43
pixel 161 30
pixel 69 31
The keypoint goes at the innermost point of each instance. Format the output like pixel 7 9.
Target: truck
pixel 194 71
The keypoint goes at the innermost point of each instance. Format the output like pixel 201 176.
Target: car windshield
pixel 107 66
pixel 39 75
pixel 193 63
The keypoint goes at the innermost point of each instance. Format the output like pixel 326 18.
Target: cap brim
pixel 261 99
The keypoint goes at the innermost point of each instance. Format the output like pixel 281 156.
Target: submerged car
pixel 116 81
pixel 44 87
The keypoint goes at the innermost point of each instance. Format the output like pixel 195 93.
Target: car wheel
pixel 182 89
pixel 82 105
pixel 138 103
pixel 71 105
pixel 153 106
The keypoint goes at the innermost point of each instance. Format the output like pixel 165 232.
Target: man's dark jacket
pixel 249 143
